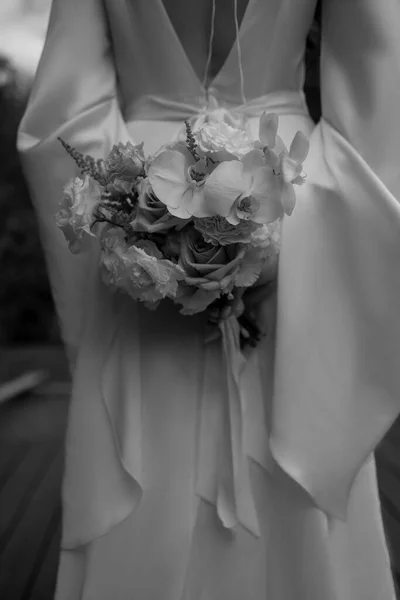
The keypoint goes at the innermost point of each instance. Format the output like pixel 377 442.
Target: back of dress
pixel 159 82
pixel 154 504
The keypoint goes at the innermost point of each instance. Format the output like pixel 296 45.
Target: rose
pixel 152 215
pixel 76 211
pixel 217 230
pixel 213 270
pixel 124 165
pixel 139 268
pixel 208 266
pixel 210 270
pixel 220 136
pixel 125 161
pixel 121 186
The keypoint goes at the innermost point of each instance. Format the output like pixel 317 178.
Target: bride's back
pixel 192 20
pixel 160 49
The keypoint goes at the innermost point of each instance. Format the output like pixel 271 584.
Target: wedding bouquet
pixel 197 222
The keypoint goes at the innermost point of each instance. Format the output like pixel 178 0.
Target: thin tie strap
pixel 210 45
pixel 239 49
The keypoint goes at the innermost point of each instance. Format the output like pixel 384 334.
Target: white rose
pixel 218 136
pixel 267 235
pixel 75 215
pixel 139 269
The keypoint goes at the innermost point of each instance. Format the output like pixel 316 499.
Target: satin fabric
pixel 147 424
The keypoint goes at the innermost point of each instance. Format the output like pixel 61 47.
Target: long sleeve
pixel 74 96
pixel 337 367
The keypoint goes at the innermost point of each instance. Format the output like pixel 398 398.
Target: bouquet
pixel 198 222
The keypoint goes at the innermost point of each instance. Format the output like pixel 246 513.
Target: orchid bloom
pixel 269 141
pixel 268 129
pixel 287 165
pixel 177 180
pixel 244 190
pixel 290 163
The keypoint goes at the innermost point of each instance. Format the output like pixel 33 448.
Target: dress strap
pixel 210 45
pixel 239 49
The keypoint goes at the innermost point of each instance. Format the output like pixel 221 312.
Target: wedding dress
pixel 170 491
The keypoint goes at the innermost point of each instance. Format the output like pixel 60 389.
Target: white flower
pixel 286 164
pixel 244 190
pixel 267 235
pixel 75 215
pixel 220 136
pixel 139 269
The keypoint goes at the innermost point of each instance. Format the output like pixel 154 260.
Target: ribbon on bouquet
pixel 233 429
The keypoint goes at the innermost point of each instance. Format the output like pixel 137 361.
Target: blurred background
pixel 26 309
pixel 34 378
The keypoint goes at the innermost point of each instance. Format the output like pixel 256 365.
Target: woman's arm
pixel 74 96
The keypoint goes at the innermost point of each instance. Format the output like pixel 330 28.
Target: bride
pixel 150 441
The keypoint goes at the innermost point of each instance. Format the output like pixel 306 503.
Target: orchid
pixel 244 190
pixel 177 180
pixel 290 164
pixel 287 165
pixel 125 161
pixel 268 129
pixel 269 142
pixel 288 168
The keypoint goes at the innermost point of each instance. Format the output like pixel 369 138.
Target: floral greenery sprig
pixel 87 164
pixel 104 213
pixel 191 141
pixel 124 203
pixel 118 211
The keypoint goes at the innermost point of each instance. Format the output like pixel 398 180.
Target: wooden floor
pixel 32 430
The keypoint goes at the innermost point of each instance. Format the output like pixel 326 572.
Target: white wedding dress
pixel 170 491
